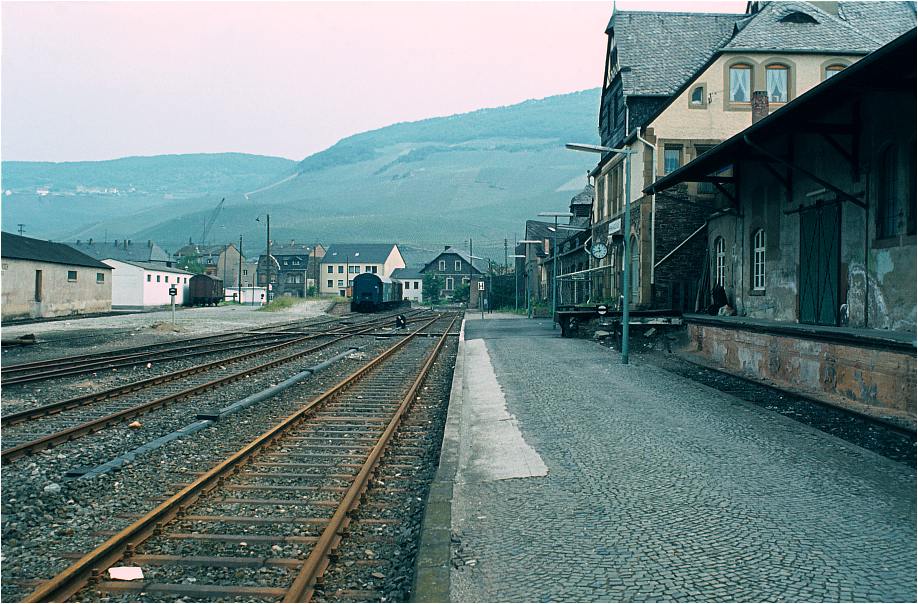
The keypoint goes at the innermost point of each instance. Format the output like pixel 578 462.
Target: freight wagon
pixel 204 290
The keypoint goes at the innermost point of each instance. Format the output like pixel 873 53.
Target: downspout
pixel 653 212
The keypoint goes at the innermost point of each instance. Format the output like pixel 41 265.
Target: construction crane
pixel 211 220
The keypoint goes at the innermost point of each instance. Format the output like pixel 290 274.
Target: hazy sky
pixel 102 80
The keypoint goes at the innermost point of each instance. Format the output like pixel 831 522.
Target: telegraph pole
pixel 239 279
pixel 268 263
pixel 506 266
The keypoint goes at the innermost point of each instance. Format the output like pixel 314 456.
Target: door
pixel 820 238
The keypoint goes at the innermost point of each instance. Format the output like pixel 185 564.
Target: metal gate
pixel 820 242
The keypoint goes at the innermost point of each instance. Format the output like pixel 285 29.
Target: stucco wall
pixel 59 295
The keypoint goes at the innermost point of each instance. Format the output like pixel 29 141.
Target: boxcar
pixel 204 290
pixel 371 293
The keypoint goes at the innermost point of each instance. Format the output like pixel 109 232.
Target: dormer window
pixel 799 17
pixel 777 77
pixel 740 83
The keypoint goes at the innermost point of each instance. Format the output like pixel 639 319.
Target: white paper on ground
pixel 125 573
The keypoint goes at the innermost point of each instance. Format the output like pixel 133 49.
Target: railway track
pixel 265 523
pixel 36 371
pixel 39 428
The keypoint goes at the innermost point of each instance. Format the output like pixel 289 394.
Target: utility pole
pixel 239 276
pixel 470 270
pixel 21 228
pixel 506 266
pixel 225 254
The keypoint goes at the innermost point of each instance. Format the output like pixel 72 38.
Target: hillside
pixel 426 183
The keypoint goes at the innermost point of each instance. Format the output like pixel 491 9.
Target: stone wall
pixel 864 378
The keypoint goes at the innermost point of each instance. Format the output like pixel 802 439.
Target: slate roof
pixel 882 21
pixel 358 253
pixel 476 263
pixel 658 51
pixel 27 248
pixel 407 273
pixel 296 249
pixel 141 251
pixel 769 31
pixel 584 197
pixel 155 266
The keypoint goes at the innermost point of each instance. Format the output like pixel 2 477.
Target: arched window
pixel 777 78
pixel 758 260
pixel 635 270
pixel 831 70
pixel 720 261
pixel 740 83
pixel 887 194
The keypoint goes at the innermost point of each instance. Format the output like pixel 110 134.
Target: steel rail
pixel 85 363
pixel 50 440
pixel 79 401
pixel 304 585
pixel 75 577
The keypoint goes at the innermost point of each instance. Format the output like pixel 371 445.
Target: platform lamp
pixel 516 282
pixel 528 242
pixel 554 261
pixel 626 263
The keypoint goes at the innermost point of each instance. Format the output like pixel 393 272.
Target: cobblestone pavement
pixel 662 489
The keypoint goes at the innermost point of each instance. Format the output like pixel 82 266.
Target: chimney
pixel 125 242
pixel 149 243
pixel 90 241
pixel 445 247
pixel 129 242
pixel 759 105
pixel 78 242
pixel 292 242
pixel 116 243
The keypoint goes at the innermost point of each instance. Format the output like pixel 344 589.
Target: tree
pixel 461 293
pixel 191 264
pixel 431 288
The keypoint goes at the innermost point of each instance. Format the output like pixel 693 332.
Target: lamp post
pixel 626 261
pixel 528 242
pixel 516 283
pixel 554 262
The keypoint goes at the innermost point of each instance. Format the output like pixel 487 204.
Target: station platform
pixel 566 476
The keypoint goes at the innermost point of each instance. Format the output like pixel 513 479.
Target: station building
pixel 46 279
pixel 812 237
pixel 455 268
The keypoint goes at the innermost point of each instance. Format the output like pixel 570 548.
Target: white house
pixel 140 285
pixel 412 283
pixel 344 261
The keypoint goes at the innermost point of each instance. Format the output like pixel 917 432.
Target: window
pixel 149 278
pixel 698 100
pixel 340 282
pixel 417 284
pixel 340 269
pixel 776 81
pixel 831 70
pixel 635 270
pixel 330 283
pixel 672 158
pixel 353 270
pixel 167 278
pixel 374 269
pixel 245 272
pixel 331 269
pixel 458 265
pixel 100 277
pixel 449 283
pixel 442 265
pixel 758 260
pixel 71 275
pixel 38 286
pixel 186 279
pixel 366 269
pixel 158 277
pixel 720 261
pixel 887 194
pixel 740 83
pixel 704 187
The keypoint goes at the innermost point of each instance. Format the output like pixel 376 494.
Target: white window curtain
pixel 777 84
pixel 740 84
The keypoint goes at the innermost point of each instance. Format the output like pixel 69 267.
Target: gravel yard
pixel 73 336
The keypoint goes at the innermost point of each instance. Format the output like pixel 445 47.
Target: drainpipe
pixel 653 213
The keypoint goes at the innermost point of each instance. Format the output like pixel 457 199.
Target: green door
pixel 820 237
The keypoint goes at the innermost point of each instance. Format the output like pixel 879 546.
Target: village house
pixel 45 279
pixel 534 247
pixel 813 238
pixel 344 261
pixel 295 268
pixel 146 285
pixel 453 268
pixel 677 84
pixel 220 261
pixel 124 250
pixel 412 281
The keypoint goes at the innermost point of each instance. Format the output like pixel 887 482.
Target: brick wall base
pixel 873 381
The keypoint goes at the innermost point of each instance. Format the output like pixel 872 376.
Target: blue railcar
pixel 371 293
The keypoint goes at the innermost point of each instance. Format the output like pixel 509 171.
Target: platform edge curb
pixel 432 566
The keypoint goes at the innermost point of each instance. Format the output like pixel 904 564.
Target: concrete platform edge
pixel 432 567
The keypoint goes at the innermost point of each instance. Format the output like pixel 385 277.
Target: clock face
pixel 599 250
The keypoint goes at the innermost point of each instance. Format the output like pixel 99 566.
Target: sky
pixel 101 80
